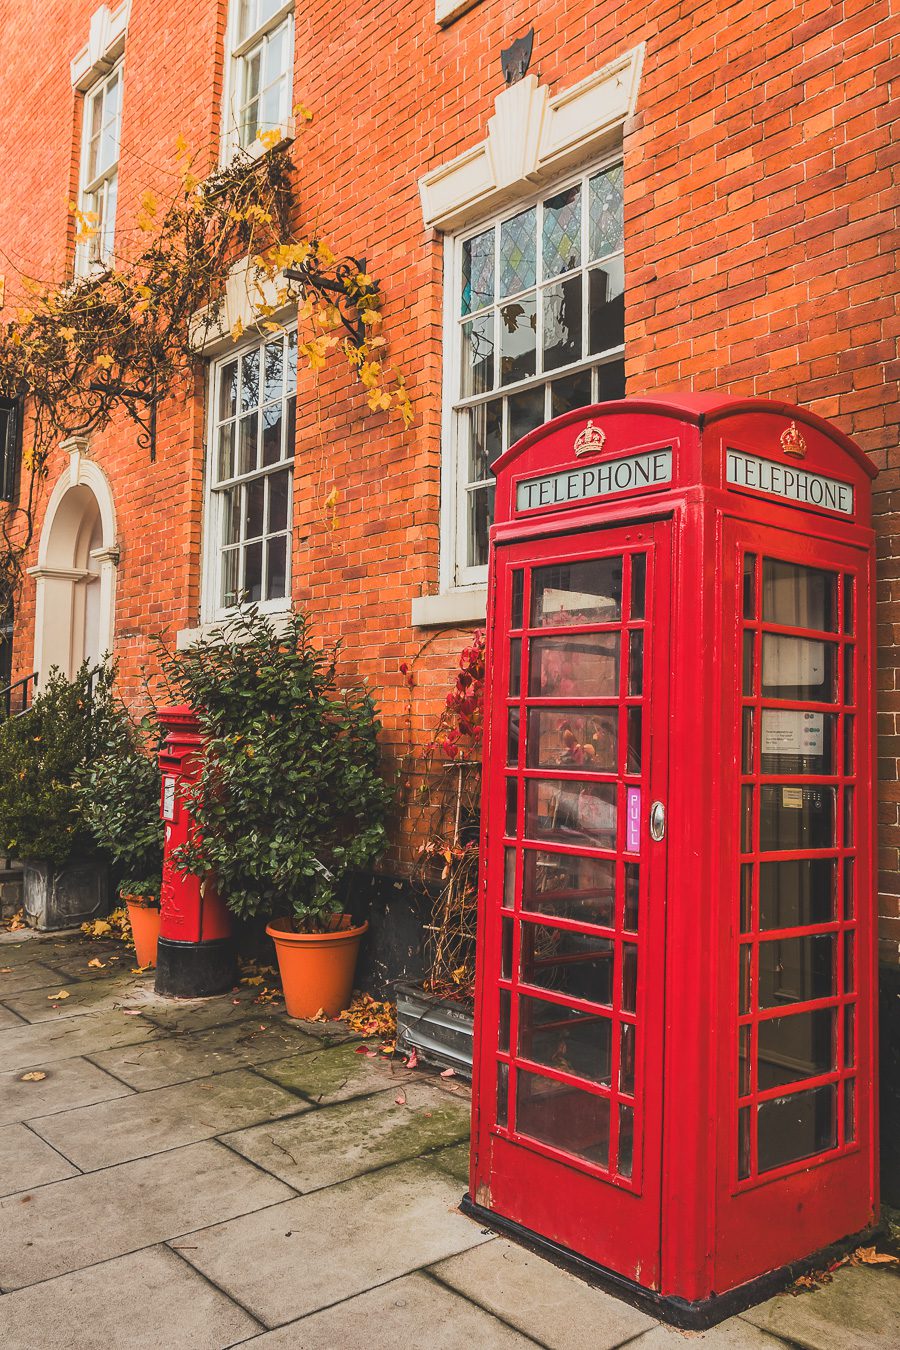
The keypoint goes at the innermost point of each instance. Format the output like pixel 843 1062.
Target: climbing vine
pixel 127 336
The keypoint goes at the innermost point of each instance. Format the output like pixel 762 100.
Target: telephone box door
pixel 571 1031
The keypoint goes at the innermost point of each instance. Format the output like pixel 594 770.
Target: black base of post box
pixel 195 969
pixel 678 1312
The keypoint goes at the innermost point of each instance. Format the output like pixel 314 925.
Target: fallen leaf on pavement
pixel 364 1050
pixel 413 1061
pixel 400 1098
pixel 869 1257
pixel 97 963
pixel 35 1076
pixel 448 1073
pixel 62 994
pixel 131 1012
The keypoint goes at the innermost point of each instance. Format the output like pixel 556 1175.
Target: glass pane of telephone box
pixel 796 1047
pixel 798 668
pixel 796 970
pixel 795 740
pixel 577 593
pixel 799 597
pixel 795 817
pixel 566 886
pixel 565 1038
pixel 571 739
pixel 796 892
pixel 797 1126
pixel 563 1116
pixel 566 812
pixel 565 962
pixel 582 666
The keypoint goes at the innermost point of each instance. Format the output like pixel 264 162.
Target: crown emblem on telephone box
pixel 590 441
pixel 792 441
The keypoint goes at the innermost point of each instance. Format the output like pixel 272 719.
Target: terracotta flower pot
pixel 316 969
pixel 143 915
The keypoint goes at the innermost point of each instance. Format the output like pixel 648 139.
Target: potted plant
pixel 119 793
pixel 290 800
pixel 42 820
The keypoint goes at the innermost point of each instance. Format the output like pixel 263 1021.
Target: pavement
pixel 195 1175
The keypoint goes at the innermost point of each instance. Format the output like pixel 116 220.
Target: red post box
pixel 195 955
pixel 674 1062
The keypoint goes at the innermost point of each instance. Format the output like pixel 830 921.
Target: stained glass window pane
pixel 518 252
pixel 478 272
pixel 605 213
pixel 562 231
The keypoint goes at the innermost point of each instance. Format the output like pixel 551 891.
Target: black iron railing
pixel 15 699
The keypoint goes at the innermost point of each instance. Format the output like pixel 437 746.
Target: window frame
pixel 236 53
pixel 456 574
pixel 211 611
pixel 10 449
pixel 103 181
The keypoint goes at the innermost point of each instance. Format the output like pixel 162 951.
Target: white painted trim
pixel 105 44
pixel 211 334
pixel 532 138
pixel 468 605
pixel 55 607
pixel 205 632
pixel 445 11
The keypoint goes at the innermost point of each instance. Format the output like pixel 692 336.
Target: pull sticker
pixel 633 820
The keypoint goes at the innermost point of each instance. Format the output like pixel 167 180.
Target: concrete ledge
pixel 450 608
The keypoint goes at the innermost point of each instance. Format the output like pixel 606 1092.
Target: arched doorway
pixel 76 571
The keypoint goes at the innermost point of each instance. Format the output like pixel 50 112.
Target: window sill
pixel 204 632
pixel 450 608
pixel 445 11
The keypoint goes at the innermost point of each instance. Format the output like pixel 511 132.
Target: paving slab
pixel 734 1334
pixel 26 1161
pixel 311 1252
pixel 80 997
pixel 560 1311
pixel 859 1310
pixel 145 1301
pixel 67 1083
pixel 63 1227
pixel 30 974
pixel 412 1311
pixel 176 1059
pixel 338 1072
pixel 333 1143
pixel 153 1122
pixel 179 1015
pixel 29 1047
pixel 9 1019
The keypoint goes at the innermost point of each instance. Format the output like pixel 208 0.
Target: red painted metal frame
pixel 684 1223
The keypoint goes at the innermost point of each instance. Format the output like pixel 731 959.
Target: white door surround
pixel 75 576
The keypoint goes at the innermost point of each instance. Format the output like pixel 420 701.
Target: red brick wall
pixel 761 174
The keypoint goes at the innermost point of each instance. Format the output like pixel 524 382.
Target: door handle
pixel 657 822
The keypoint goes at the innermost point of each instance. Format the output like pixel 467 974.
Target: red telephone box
pixel 195 955
pixel 674 1062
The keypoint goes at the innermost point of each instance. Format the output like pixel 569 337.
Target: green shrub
pixel 119 792
pixel 290 798
pixel 43 752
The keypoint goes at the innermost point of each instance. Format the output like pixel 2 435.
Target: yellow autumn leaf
pixel 35 1076
pixel 62 994
pixel 237 330
pixel 97 964
pixel 370 316
pixel 181 145
pixel 269 139
pixel 104 362
pixel 300 110
pixel 363 280
pixel 67 334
